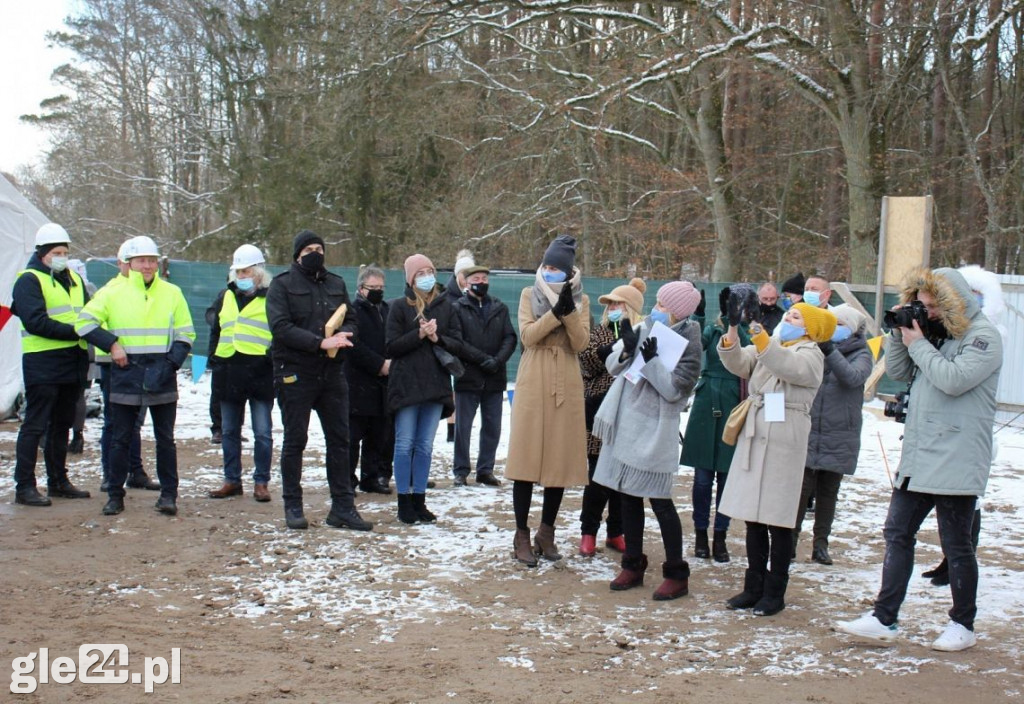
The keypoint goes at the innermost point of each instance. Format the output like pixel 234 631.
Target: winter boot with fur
pixel 677 581
pixel 774 599
pixel 753 590
pixel 544 543
pixel 521 549
pixel 632 574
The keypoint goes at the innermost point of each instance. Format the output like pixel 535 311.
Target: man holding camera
pixel 949 352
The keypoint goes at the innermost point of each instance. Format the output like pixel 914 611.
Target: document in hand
pixel 671 346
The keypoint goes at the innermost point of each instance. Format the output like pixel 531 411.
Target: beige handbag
pixel 734 423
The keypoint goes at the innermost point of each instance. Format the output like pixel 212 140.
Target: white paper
pixel 775 407
pixel 671 346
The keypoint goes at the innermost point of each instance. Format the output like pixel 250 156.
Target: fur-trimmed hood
pixel 951 291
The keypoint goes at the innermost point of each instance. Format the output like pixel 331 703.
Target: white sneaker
pixel 955 638
pixel 869 628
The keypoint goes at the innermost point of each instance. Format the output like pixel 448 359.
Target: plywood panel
pixel 907 236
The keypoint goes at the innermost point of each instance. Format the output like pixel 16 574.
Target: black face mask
pixel 312 262
pixel 765 308
pixel 479 290
pixel 375 296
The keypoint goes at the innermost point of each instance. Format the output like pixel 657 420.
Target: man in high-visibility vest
pixel 137 476
pixel 47 297
pixel 147 329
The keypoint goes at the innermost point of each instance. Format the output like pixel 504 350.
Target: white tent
pixel 19 220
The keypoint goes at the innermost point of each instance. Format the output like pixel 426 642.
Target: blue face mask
pixel 244 284
pixel 812 298
pixel 615 316
pixel 425 283
pixel 980 298
pixel 659 316
pixel 553 277
pixel 842 333
pixel 789 332
pixel 786 303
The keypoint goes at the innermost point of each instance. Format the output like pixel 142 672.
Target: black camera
pixel 904 316
pixel 897 410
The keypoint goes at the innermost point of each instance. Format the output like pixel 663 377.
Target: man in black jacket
pixel 771 313
pixel 367 371
pixel 488 341
pixel 300 301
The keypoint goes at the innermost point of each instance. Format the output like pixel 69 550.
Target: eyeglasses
pixel 374 288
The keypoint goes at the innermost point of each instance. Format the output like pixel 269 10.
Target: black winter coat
pixel 299 304
pixel 244 376
pixel 368 389
pixel 416 375
pixel 64 366
pixel 486 332
pixel 836 415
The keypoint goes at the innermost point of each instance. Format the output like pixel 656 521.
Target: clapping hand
pixel 565 305
pixel 649 349
pixel 629 340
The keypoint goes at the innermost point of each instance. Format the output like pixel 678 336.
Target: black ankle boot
pixel 773 601
pixel 700 544
pixel 718 548
pixel 419 506
pixel 753 590
pixel 406 512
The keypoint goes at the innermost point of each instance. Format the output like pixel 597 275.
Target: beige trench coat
pixel 767 468
pixel 548 434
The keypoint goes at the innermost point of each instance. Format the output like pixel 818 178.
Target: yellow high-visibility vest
pixel 61 305
pixel 109 288
pixel 246 331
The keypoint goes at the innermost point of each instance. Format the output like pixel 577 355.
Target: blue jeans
pixel 702 481
pixel 232 414
pixel 907 510
pixel 415 427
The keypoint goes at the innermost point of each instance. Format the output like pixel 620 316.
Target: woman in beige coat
pixel 767 468
pixel 547 442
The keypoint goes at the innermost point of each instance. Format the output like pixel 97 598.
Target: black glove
pixel 699 310
pixel 565 305
pixel 734 307
pixel 826 347
pixel 629 339
pixel 649 349
pixel 753 312
pixel 490 365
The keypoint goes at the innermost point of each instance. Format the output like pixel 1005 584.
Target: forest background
pixel 723 141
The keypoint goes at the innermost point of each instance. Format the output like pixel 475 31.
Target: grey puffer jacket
pixel 836 415
pixel 947 443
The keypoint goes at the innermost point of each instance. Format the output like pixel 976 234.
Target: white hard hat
pixel 141 246
pixel 246 256
pixel 52 233
pixel 122 251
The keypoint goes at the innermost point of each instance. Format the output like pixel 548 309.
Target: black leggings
pixel 522 497
pixel 668 521
pixel 766 542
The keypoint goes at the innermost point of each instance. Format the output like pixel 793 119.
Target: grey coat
pixel 639 423
pixel 947 443
pixel 836 415
pixel 767 468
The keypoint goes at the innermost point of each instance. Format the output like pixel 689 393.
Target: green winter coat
pixel 716 394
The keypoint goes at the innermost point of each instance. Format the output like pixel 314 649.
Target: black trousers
pixel 326 394
pixel 595 498
pixel 824 486
pixel 374 438
pixel 122 426
pixel 764 543
pixel 668 521
pixel 49 412
pixel 216 391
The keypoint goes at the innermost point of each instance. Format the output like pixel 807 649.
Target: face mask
pixel 59 263
pixel 479 290
pixel 842 333
pixel 615 316
pixel 812 298
pixel 786 302
pixel 980 299
pixel 554 277
pixel 425 283
pixel 375 296
pixel 244 284
pixel 314 261
pixel 789 332
pixel 765 308
pixel 659 316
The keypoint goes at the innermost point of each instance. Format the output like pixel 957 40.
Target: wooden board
pixel 332 325
pixel 906 234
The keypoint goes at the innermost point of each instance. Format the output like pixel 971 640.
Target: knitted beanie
pixel 632 294
pixel 850 317
pixel 463 260
pixel 303 240
pixel 680 298
pixel 819 322
pixel 414 263
pixel 794 284
pixel 561 254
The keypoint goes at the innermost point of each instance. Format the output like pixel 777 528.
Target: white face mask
pixel 58 263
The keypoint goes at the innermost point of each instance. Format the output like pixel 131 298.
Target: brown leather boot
pixel 261 493
pixel 521 548
pixel 544 543
pixel 632 574
pixel 225 491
